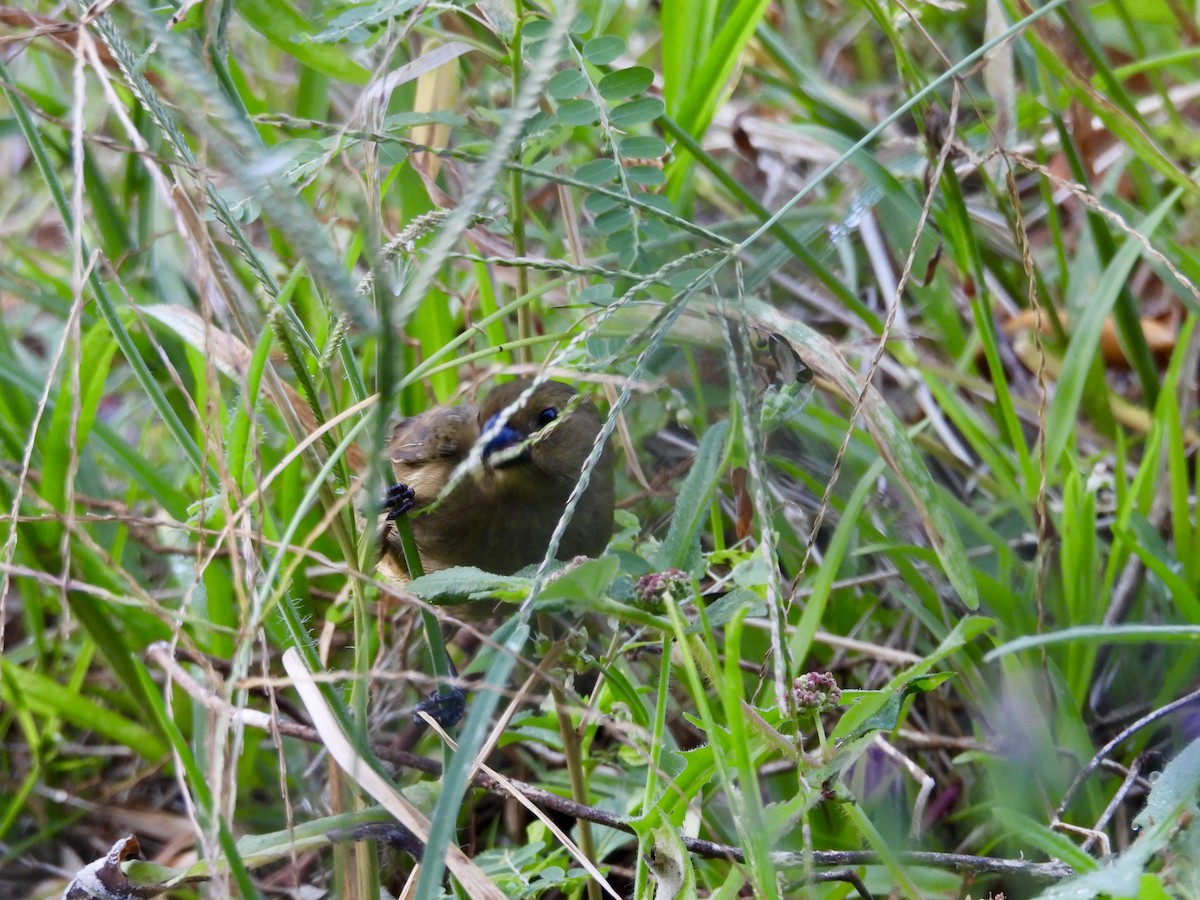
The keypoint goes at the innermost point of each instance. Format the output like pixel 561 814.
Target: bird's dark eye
pixel 546 416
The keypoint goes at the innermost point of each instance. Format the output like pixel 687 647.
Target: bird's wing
pixel 441 434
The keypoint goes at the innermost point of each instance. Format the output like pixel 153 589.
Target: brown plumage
pixel 500 517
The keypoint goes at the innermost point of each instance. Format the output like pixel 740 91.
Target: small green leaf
pixel 583 584
pixel 598 204
pixel 598 171
pixel 597 294
pixel 656 201
pixel 581 24
pixel 1171 790
pixel 654 230
pixel 567 84
pixel 888 716
pixel 642 147
pixel 641 111
pixel 603 50
pixel 392 154
pixel 578 112
pixel 620 242
pixel 538 123
pixel 722 612
pixel 346 25
pixel 625 83
pixel 614 220
pixel 681 548
pixel 646 176
pixel 467 583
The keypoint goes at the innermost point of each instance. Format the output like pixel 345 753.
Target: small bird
pixel 500 517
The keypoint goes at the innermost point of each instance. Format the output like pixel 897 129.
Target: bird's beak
pixel 507 447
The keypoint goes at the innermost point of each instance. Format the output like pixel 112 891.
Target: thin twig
pixel 1102 754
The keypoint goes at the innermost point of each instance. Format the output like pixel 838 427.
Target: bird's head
pixel 551 433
